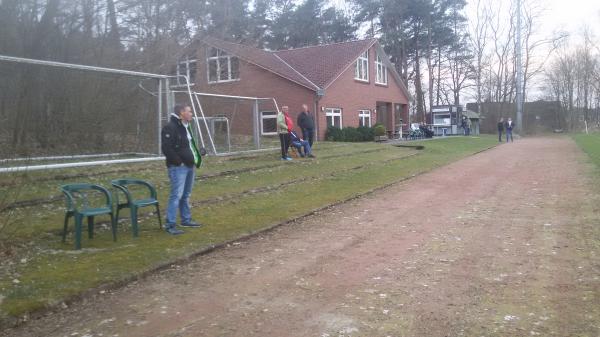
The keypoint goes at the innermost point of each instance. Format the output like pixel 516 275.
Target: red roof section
pixel 323 64
pixel 313 67
pixel 262 58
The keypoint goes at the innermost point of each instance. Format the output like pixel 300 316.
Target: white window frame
pixel 221 58
pixel 333 113
pixel 381 76
pixel 363 115
pixel 183 68
pixel 361 70
pixel 269 116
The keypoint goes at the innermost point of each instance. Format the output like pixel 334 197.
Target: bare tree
pixel 478 37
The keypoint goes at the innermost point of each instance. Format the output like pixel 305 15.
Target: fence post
pixel 256 125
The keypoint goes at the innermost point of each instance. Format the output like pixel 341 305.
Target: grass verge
pixel 40 272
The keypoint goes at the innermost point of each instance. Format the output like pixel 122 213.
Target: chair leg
pixel 78 221
pixel 117 215
pixel 113 225
pixel 134 223
pixel 159 219
pixel 90 220
pixel 64 233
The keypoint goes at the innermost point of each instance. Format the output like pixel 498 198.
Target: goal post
pixel 57 115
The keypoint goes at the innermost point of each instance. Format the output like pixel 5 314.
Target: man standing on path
pixel 183 157
pixel 306 122
pixel 509 125
pixel 500 129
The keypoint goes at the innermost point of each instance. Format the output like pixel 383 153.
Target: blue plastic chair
pixel 79 210
pixel 134 204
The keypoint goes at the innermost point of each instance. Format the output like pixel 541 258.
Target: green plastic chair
pixel 79 210
pixel 135 204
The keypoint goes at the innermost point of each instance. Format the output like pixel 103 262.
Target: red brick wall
pixel 254 82
pixel 352 95
pixel 346 93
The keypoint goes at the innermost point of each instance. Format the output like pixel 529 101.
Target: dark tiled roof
pixel 262 58
pixel 323 64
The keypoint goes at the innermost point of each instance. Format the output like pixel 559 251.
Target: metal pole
pixel 160 84
pixel 256 125
pixel 80 164
pixel 78 67
pixel 519 74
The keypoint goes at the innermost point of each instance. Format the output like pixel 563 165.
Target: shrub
pixel 349 134
pixel 333 134
pixel 366 133
pixel 379 130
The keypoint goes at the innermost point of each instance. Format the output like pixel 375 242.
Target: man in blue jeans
pixel 508 126
pixel 183 157
pixel 299 144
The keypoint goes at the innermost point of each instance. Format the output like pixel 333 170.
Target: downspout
pixel 318 95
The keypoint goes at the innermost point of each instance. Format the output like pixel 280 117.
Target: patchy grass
pixel 233 197
pixel 590 144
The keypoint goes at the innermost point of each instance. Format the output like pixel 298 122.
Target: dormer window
pixel 361 72
pixel 381 77
pixel 186 68
pixel 222 67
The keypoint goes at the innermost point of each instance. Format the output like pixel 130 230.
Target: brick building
pixel 345 84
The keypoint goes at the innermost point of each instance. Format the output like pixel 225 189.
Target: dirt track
pixel 504 243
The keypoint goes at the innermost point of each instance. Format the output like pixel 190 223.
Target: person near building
pixel 306 122
pixel 301 144
pixel 283 129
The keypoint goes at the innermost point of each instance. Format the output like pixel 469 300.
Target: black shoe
pixel 173 230
pixel 191 224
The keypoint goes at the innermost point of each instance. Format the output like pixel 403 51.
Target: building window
pixel 364 118
pixel 361 72
pixel 268 122
pixel 186 68
pixel 334 117
pixel 222 67
pixel 381 77
pixel 442 119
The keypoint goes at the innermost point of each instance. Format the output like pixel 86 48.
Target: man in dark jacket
pixel 500 129
pixel 508 126
pixel 306 122
pixel 183 157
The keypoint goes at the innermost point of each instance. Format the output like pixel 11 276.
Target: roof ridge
pixel 322 45
pixel 297 72
pixel 264 66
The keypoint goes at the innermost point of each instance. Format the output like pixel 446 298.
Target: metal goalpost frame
pixel 162 87
pixel 255 118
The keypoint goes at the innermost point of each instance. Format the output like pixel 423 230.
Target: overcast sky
pixel 567 15
pixel 572 15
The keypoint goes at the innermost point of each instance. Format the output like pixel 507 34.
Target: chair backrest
pixel 122 184
pixel 78 191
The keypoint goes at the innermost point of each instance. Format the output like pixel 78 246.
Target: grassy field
pixel 590 144
pixel 233 197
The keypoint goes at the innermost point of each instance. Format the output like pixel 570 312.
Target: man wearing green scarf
pixel 182 159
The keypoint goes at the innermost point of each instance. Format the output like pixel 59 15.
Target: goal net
pixel 51 113
pixel 232 124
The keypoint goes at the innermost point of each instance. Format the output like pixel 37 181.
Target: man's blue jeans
pixel 509 134
pixel 303 144
pixel 308 135
pixel 182 181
